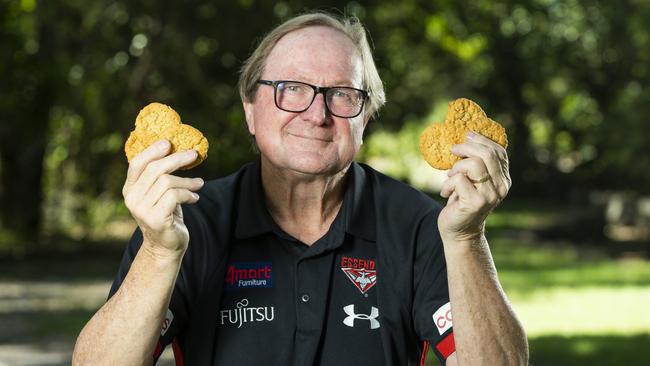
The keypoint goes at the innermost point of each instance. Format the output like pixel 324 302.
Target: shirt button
pixel 304 298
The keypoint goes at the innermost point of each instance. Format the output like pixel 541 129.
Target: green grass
pixel 526 267
pixel 591 350
pixel 588 350
pixel 579 305
pixel 585 311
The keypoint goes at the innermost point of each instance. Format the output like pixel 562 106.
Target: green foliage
pixel 567 79
pixel 563 77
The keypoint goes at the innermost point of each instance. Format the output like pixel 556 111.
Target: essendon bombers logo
pixel 361 272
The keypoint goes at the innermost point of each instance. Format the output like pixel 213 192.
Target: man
pixel 305 257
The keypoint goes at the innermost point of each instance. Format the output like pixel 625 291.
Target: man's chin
pixel 308 167
pixel 311 164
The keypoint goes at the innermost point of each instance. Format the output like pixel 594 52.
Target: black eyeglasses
pixel 295 96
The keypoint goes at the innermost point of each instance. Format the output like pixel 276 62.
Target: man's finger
pixel 496 151
pixel 173 197
pixel 478 138
pixel 156 151
pixel 166 165
pixel 488 154
pixel 166 182
pixel 460 184
pixel 473 167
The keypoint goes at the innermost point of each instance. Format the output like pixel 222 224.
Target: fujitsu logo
pixel 244 314
pixel 349 320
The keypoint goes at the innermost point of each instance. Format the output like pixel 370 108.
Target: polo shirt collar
pixel 253 217
pixel 360 205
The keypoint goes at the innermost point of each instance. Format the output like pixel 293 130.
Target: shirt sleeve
pixel 177 313
pixel 431 307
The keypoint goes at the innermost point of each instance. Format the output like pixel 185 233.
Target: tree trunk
pixel 23 141
pixel 21 193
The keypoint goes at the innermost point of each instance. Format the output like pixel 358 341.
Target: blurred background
pixel 568 79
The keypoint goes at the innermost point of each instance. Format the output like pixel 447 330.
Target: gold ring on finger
pixel 482 180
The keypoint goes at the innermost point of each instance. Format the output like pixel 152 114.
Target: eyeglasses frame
pixel 317 90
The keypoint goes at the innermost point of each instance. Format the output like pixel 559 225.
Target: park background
pixel 568 79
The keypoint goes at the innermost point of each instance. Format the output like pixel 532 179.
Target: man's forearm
pixel 124 331
pixel 486 329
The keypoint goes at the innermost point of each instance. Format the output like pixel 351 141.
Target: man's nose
pixel 317 111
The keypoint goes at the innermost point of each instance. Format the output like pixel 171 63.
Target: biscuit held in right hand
pixel 159 121
pixel 153 196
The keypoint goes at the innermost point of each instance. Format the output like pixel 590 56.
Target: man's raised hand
pixel 153 196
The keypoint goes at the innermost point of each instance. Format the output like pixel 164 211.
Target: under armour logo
pixel 349 320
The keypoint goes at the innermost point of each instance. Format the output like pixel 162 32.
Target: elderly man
pixel 304 256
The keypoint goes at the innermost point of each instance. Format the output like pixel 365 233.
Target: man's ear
pixel 248 112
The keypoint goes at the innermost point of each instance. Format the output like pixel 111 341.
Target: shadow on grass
pixel 65 266
pixel 20 327
pixel 591 350
pixel 585 351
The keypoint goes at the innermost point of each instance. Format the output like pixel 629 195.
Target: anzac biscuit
pixel 158 121
pixel 462 116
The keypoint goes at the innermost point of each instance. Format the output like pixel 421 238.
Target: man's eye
pixel 345 96
pixel 294 88
pixel 341 94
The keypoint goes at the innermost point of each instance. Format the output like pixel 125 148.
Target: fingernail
pixel 162 144
pixel 200 181
pixel 471 135
pixel 195 195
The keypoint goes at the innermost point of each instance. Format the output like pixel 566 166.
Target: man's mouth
pixel 317 138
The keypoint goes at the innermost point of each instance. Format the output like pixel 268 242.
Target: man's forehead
pixel 314 47
pixel 315 31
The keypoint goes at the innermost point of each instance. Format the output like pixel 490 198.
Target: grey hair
pixel 253 67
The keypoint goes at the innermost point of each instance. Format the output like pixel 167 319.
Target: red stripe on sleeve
pixel 157 352
pixel 447 346
pixel 178 353
pixel 425 348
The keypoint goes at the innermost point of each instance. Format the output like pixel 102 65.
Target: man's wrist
pixel 161 255
pixel 463 244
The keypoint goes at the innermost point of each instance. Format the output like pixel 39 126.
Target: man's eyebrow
pixel 339 82
pixel 343 83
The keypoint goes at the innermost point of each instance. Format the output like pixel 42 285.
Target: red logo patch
pixel 361 272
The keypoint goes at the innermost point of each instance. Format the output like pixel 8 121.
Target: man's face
pixel 313 141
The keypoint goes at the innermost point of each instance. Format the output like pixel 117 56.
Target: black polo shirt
pixel 372 290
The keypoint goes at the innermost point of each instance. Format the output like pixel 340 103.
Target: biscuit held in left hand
pixel 462 116
pixel 158 121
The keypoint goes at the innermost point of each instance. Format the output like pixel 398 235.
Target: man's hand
pixel 153 196
pixel 476 185
pixel 125 330
pixel 486 329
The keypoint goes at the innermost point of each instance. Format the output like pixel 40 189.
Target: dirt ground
pixel 44 304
